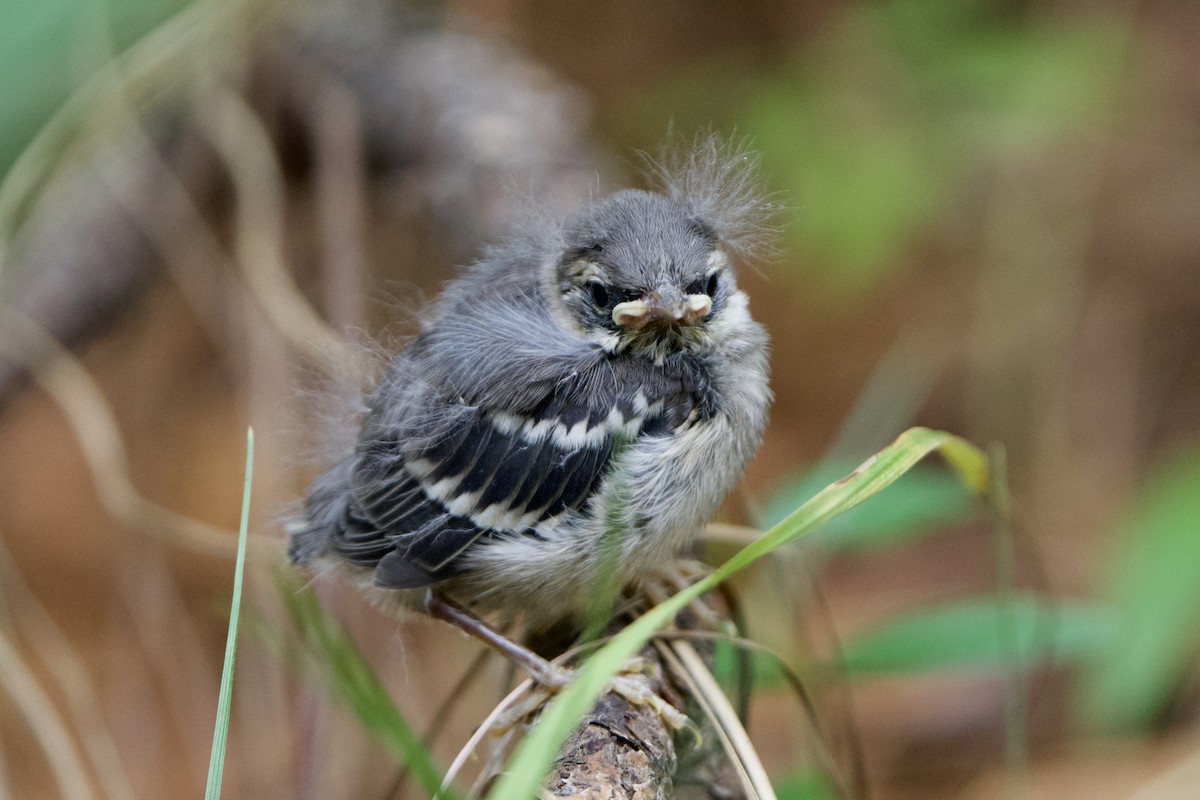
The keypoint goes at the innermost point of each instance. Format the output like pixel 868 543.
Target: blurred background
pixel 991 226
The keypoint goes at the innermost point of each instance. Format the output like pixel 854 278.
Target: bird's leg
pixel 541 670
pixel 632 682
pixel 673 577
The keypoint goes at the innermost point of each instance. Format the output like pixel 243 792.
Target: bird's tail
pixel 311 533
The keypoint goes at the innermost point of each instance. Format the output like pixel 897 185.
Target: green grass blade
pixel 807 785
pixel 536 752
pixel 1154 588
pixel 216 761
pixel 970 634
pixel 343 666
pixel 162 57
pixel 923 501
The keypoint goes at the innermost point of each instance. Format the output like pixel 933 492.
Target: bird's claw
pixel 633 683
pixel 662 582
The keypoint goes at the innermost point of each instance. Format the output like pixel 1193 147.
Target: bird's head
pixel 642 273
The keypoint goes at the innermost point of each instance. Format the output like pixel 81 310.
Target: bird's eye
pixel 599 293
pixel 706 286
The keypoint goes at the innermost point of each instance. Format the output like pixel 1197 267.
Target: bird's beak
pixel 663 306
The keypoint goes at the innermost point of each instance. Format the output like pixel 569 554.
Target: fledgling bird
pixel 577 406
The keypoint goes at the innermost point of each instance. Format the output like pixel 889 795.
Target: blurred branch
pixel 340 177
pixel 244 144
pixel 71 675
pixel 151 64
pixel 466 123
pixel 1177 782
pixel 68 383
pixel 66 765
pixel 70 258
pixel 80 259
pixel 170 640
pixel 474 126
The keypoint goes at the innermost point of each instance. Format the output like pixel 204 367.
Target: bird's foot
pixel 660 583
pixel 635 683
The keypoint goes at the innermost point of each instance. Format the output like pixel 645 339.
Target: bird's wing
pixel 494 422
pixel 430 483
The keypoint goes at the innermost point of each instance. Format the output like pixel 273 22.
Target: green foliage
pixel 47 49
pixel 972 633
pixel 726 663
pixel 986 632
pixel 919 502
pixel 1154 586
pixel 1028 79
pixel 854 168
pixel 874 130
pixel 810 785
pixel 216 762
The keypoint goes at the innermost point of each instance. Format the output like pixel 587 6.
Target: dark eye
pixel 706 286
pixel 599 293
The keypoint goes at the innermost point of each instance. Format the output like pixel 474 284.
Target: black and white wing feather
pixel 470 443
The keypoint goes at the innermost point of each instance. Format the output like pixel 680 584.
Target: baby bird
pixel 576 408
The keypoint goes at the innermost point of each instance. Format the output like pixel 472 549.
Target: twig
pixel 243 142
pixel 621 749
pixel 66 764
pixel 708 695
pixel 69 385
pixel 64 663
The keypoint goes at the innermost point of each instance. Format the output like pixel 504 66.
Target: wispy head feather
pixel 719 180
